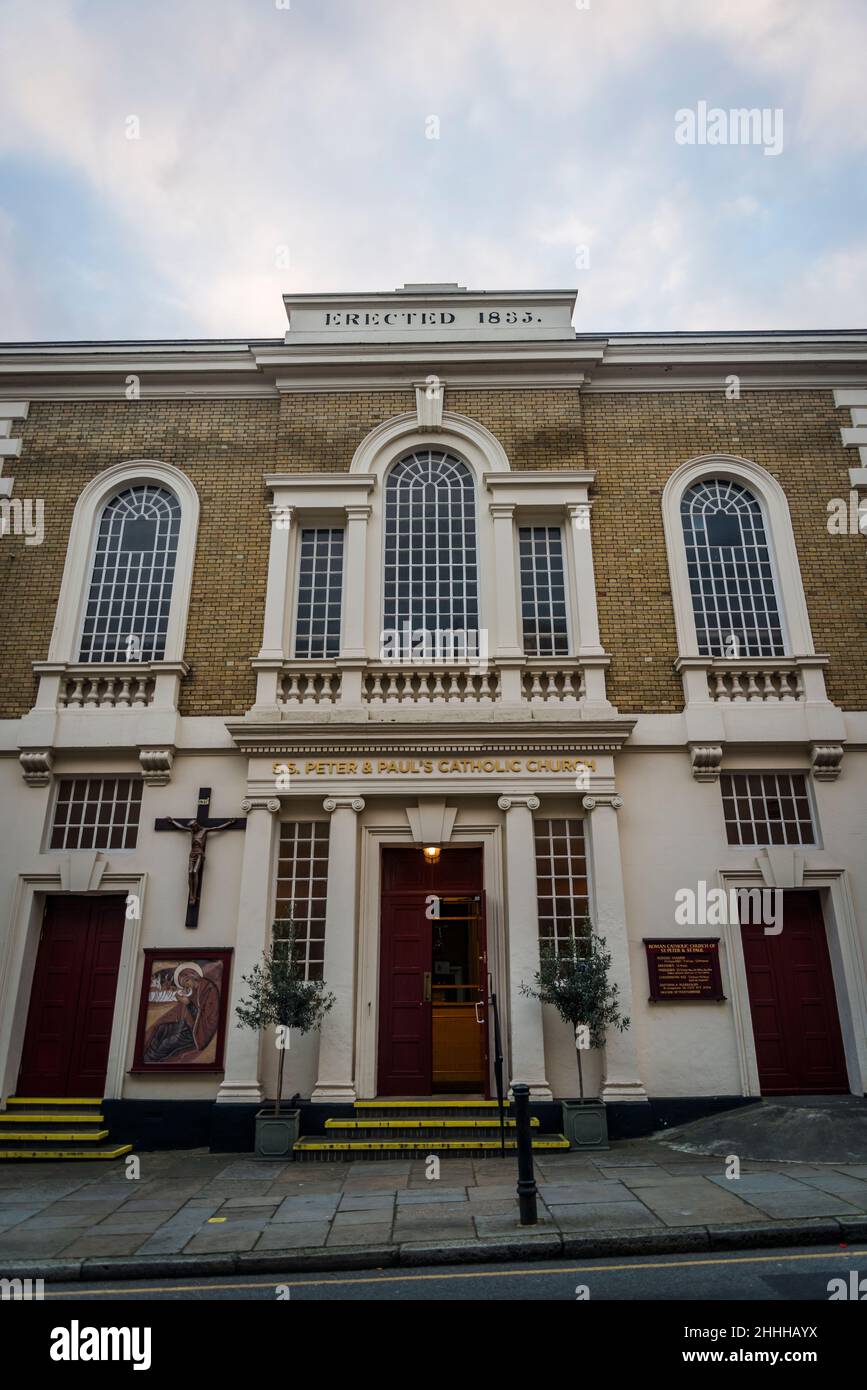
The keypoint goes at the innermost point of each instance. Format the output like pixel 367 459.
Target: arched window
pixel 126 614
pixel 731 577
pixel 431 565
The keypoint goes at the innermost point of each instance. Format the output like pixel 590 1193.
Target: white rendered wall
pixel 671 832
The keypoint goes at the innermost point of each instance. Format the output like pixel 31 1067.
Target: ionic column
pixel 528 1043
pixel 622 1076
pixel 277 607
pixel 336 1076
pixel 241 1070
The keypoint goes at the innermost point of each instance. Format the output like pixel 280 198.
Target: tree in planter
pixel 279 995
pixel 574 978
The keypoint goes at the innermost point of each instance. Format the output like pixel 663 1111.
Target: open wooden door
pixel 460 997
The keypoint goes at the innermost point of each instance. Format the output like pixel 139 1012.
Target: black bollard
pixel 524 1139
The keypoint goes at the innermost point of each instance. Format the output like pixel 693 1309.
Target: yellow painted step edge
pixel 425 1124
pixel 65 1153
pixel 55 1100
pixel 19 1119
pixel 429 1104
pixel 71 1134
pixel 357 1144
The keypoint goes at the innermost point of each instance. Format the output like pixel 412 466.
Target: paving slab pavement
pixel 196 1205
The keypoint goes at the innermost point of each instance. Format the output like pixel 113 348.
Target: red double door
pixel 433 974
pixel 799 1048
pixel 72 998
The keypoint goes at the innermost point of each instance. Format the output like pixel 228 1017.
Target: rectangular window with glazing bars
pixel 320 593
pixel 302 880
pixel 561 878
pixel 543 591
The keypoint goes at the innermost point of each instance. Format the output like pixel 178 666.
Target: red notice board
pixel 686 970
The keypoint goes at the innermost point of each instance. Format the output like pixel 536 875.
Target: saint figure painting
pixel 182 1018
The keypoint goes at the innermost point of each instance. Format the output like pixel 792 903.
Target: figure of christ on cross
pixel 199 827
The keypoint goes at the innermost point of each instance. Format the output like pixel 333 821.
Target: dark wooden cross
pixel 199 827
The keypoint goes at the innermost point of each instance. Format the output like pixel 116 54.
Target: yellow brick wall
pixel 226 447
pixel 633 441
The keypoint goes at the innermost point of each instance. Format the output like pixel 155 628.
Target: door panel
pixel 404 1013
pixel 799 1047
pixel 95 1013
pixel 72 998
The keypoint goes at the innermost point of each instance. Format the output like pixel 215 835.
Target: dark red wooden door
pixel 72 998
pixel 405 1005
pixel 799 1048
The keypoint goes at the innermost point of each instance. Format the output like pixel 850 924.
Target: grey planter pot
pixel 585 1125
pixel 276 1134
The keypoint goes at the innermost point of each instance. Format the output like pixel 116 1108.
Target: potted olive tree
pixel 574 978
pixel 281 998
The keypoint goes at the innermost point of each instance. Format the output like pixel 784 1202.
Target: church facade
pixel 441 631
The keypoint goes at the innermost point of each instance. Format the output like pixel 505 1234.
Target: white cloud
pixel 304 128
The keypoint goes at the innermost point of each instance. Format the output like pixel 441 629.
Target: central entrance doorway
pixel 433 988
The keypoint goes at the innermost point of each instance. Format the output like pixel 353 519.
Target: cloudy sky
pixel 285 145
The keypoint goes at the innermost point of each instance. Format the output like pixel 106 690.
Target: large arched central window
pixel 126 615
pixel 431 564
pixel 731 577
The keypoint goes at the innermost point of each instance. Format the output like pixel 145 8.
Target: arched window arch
pixel 431 578
pixel 730 569
pixel 129 593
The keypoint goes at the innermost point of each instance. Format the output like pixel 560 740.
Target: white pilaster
pixel 355 583
pixel 277 598
pixel 508 641
pixel 528 1044
pixel 275 630
pixel 589 643
pixel 241 1070
pixel 336 1077
pixel 622 1077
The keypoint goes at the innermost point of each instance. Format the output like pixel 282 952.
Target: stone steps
pixel 389 1129
pixel 48 1127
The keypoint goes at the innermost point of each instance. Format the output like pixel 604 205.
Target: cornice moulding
pixel 435 740
pixel 266 367
pixel 528 478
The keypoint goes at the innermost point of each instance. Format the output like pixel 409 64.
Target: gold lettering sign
pixel 446 767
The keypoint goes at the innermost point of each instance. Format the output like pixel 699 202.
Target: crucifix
pixel 198 828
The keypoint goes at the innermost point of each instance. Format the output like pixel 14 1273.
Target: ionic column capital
pixel 508 803
pixel 343 803
pixel 590 803
pixel 260 803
